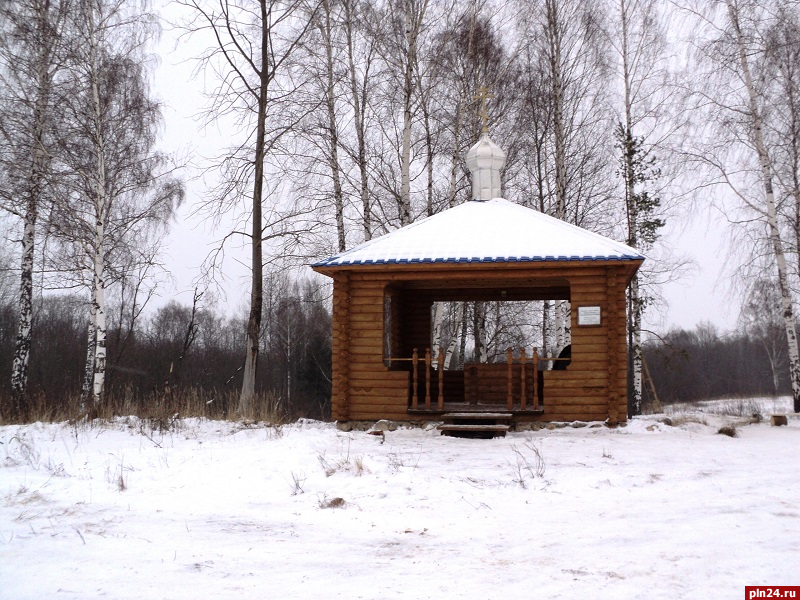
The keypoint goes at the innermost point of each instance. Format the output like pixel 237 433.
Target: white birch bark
pixel 100 320
pixel 557 90
pixel 405 153
pixel 454 158
pixel 333 132
pixel 22 348
pixel 436 341
pixel 562 333
pixel 634 304
pixel 414 16
pixel 635 309
pixel 44 74
pixel 769 199
pixel 547 329
pixel 101 212
pixel 88 370
pixel 451 347
pixel 359 108
pixel 479 332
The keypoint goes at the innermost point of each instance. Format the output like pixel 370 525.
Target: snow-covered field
pixel 222 510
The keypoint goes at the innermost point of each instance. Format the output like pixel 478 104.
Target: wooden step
pixel 473 430
pixel 476 416
pixel 471 427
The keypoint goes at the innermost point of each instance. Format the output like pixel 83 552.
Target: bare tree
pixel 782 46
pixel 252 44
pixel 761 320
pixel 735 97
pixel 31 57
pixel 117 185
pixel 637 36
pixel 567 48
pixel 359 74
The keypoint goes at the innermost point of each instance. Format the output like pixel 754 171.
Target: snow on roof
pixel 490 231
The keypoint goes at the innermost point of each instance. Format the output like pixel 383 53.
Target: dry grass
pixel 731 407
pixel 159 409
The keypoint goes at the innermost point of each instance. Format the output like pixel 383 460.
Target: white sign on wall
pixel 588 315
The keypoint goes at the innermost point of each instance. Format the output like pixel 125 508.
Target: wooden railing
pixel 415 361
pixel 523 360
pixel 523 397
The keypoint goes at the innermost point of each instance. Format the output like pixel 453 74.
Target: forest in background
pixel 180 361
pixel 350 119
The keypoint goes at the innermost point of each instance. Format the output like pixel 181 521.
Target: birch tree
pixel 570 53
pixel 359 74
pixel 414 13
pixel 253 42
pixel 638 40
pixel 400 33
pixel 782 46
pixel 31 58
pixel 117 185
pixel 735 97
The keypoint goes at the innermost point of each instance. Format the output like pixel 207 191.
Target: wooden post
pixel 510 361
pixel 535 361
pixel 340 355
pixel 440 370
pixel 427 378
pixel 523 400
pixel 415 384
pixel 614 324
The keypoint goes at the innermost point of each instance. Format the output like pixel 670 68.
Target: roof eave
pixel 632 264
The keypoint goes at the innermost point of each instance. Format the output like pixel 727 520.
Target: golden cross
pixel 482 95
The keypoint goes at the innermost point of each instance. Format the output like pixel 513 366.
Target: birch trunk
pixel 462 342
pixel 22 348
pixel 101 209
pixel 563 332
pixel 39 165
pixel 635 326
pixel 546 328
pixel 769 198
pixel 436 341
pixel 559 135
pixel 358 101
pixel 450 355
pixel 408 90
pixel 428 151
pixel 479 331
pixel 333 132
pixel 253 336
pixel 100 322
pixel 635 304
pixel 88 370
pixel 414 17
pixel 451 193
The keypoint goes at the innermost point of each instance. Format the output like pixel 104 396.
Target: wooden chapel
pixel 384 365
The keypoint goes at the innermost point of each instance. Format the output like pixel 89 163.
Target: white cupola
pixel 485 160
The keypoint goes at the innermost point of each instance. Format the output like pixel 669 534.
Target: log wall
pixel 367 387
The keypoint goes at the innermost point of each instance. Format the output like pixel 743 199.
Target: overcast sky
pixel 702 295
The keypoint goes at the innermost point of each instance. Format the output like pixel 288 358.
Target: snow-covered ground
pixel 222 510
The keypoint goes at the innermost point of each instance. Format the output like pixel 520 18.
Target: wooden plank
pixel 577 416
pixel 471 427
pixel 478 415
pixel 373 415
pixel 391 378
pixel 361 345
pixel 575 400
